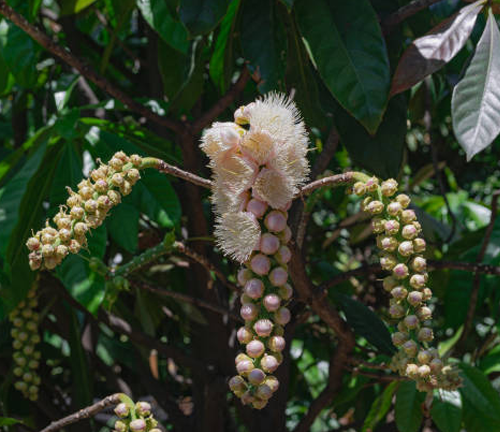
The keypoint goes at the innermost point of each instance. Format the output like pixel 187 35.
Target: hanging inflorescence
pixel 258 162
pixel 84 210
pixel 135 418
pixel 401 253
pixel 25 337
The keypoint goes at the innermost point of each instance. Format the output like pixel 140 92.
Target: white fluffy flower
pixel 238 234
pixel 219 139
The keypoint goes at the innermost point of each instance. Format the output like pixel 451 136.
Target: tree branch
pixel 166 168
pixel 226 100
pixel 406 11
pixel 335 180
pixel 84 413
pixel 46 42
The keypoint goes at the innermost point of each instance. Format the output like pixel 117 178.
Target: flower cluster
pixel 398 238
pixel 259 162
pixel 25 336
pixel 135 419
pixel 84 210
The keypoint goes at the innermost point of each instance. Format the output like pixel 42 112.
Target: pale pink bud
pixel 426 294
pixel 272 302
pixel 241 357
pixel 424 357
pixel 411 322
pixel 372 184
pixel 263 392
pixel 399 338
pixel 275 221
pixel 391 227
pixel 359 188
pixel 77 212
pixel 255 348
pixel 400 271
pixel 263 327
pixel 244 367
pixel 399 293
pixel 237 383
pixel 276 343
pixel 411 370
pixel 269 363
pixel 278 276
pixel 269 243
pixel 286 292
pixel 374 207
pixel 388 243
pixel 405 248
pixel 415 298
pixel 424 313
pixel 425 334
pixel 410 348
pixel 396 311
pixel 249 311
pixel 404 200
pixel 137 425
pixel 286 235
pixel 283 316
pixel 257 207
pixel 389 187
pixel 254 288
pixel 408 216
pixel 244 335
pixel 419 245
pixel 122 410
pixel 33 243
pixel 244 275
pixel 143 408
pixel 394 208
pixel 424 371
pixel 272 382
pixel 409 232
pixel 417 281
pixel 419 264
pixel 284 255
pixel 388 262
pixel 260 264
pixel 101 185
pixel 256 376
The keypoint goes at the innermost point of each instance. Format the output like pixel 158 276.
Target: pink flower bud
pixel 272 382
pixel 396 311
pixel 419 245
pixel 408 216
pixel 256 376
pixel 257 207
pixel 260 264
pixel 276 343
pixel 255 348
pixel 415 298
pixel 263 392
pixel 241 357
pixel 286 234
pixel 237 383
pixel 424 313
pixel 33 244
pixel 249 311
pixel 425 334
pixel 436 365
pixel 374 207
pixel 143 408
pixel 419 264
pixel 409 232
pixel 244 275
pixel 404 200
pixel 410 348
pixel 77 212
pixel 372 184
pixel 400 271
pixel 117 179
pixel 275 221
pixel 122 410
pixel 426 294
pixel 399 293
pixel 286 292
pixel 388 261
pixel 405 248
pixel 269 363
pixel 254 288
pixel 244 367
pixel 389 187
pixel 391 227
pixel 272 302
pixel 417 281
pixel 388 243
pixel 282 316
pixel 137 425
pixel 284 255
pixel 263 327
pixel 424 371
pixel 278 276
pixel 394 208
pixel 269 244
pixel 399 338
pixel 81 229
pixel 244 335
pixel 411 322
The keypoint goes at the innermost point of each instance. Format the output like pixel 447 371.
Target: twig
pixel 46 42
pixel 226 100
pixel 166 168
pixel 406 11
pixel 84 413
pixel 335 180
pixel 476 284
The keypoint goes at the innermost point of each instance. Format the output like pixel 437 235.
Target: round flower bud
pixel 425 334
pixel 399 293
pixel 86 192
pixel 276 343
pixel 244 275
pixel 411 370
pixel 249 311
pixel 244 335
pixel 255 348
pixel 244 367
pixel 64 234
pixel 143 408
pixel 101 186
pixel 400 271
pixel 136 160
pixel 80 229
pixel 237 383
pixel 399 338
pixel 259 404
pixel 103 202
pixel 374 207
pixel 284 255
pixel 275 221
pixel 263 392
pixel 389 283
pixel 269 243
pixel 269 363
pixel 73 200
pixel 62 251
pixel 91 206
pixel 388 243
pixel 133 175
pixel 48 250
pixel 389 187
pixel 272 382
pixel 254 288
pixel 282 316
pixel 419 264
pixel 394 208
pixel 241 357
pixel 415 298
pixel 114 196
pixel 424 357
pixel 396 311
pixel 405 248
pixel 278 276
pixel 137 425
pixel 117 179
pixel 411 322
pixel 436 365
pixel 125 188
pixel 424 371
pixel 410 347
pixel 256 376
pixel 272 302
pixel 74 246
pixel 286 234
pixel 244 299
pixel 120 426
pixel 77 212
pixel 247 398
pixel 408 216
pixel 417 281
pixel 424 313
pixel 47 238
pixel 391 227
pixel 359 188
pixel 286 292
pixel 260 264
pixel 378 225
pixel 426 294
pixel 122 410
pixel 35 263
pixel 256 207
pixel 64 222
pixel 404 200
pixel 33 244
pixel 419 245
pixel 388 262
pixel 263 327
pixel 409 232
pixel 372 184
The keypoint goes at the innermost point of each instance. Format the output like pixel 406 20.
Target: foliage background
pixel 179 58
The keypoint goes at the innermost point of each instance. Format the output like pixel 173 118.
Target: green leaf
pixel 19 53
pixel 260 43
pixel 74 6
pixel 157 15
pixel 7 421
pixel 381 154
pixel 380 407
pixel 366 323
pixel 446 410
pixel 491 361
pixel 68 173
pixel 408 407
pixel 481 402
pixel 429 53
pixel 347 46
pixel 123 226
pixel 201 16
pixel 475 104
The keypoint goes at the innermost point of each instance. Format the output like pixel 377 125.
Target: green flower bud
pixel 359 188
pixel 136 160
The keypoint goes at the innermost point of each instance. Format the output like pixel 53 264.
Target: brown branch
pixel 46 42
pixel 335 180
pixel 406 11
pixel 379 376
pixel 220 106
pixel 84 413
pixel 476 284
pixel 166 168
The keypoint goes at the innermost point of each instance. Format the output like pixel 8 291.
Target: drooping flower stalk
pixel 25 337
pixel 258 162
pixel 401 253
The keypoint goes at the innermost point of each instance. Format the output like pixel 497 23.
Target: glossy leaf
pixel 380 407
pixel 157 15
pixel 408 407
pixel 123 226
pixel 431 52
pixel 347 46
pixel 201 16
pixel 446 410
pixel 74 6
pixel 475 104
pixel 68 173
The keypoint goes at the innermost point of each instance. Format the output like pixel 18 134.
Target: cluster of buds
pixel 401 253
pixel 137 418
pixel 84 210
pixel 25 337
pixel 258 161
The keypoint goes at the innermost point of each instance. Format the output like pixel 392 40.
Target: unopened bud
pixel 378 225
pixel 260 264
pixel 419 245
pixel 286 292
pixel 394 208
pixel 122 410
pixel 143 408
pixel 424 313
pixel 389 283
pixel 33 244
pixel 237 383
pixel 282 316
pixel 136 160
pixel 255 348
pixel 254 288
pixel 278 276
pixel 400 271
pixel 399 338
pixel 389 187
pixel 425 334
pixel 411 370
pixel 372 184
pixel 396 311
pixel 276 343
pixel 138 425
pixel 249 311
pixel 77 212
pixel 388 243
pixel 391 227
pixel 256 376
pixel 405 248
pixel 269 363
pixel 411 322
pixel 263 327
pixel 374 207
pixel 404 200
pixel 399 293
pixel 410 347
pixel 275 221
pixel 415 298
pixel 417 281
pixel 359 188
pixel 272 302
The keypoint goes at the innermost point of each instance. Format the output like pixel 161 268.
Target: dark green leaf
pixel 74 6
pixel 447 410
pixel 380 407
pixel 366 323
pixel 123 226
pixel 7 421
pixel 475 105
pixel 201 16
pixel 408 407
pixel 349 51
pixel 429 53
pixel 68 173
